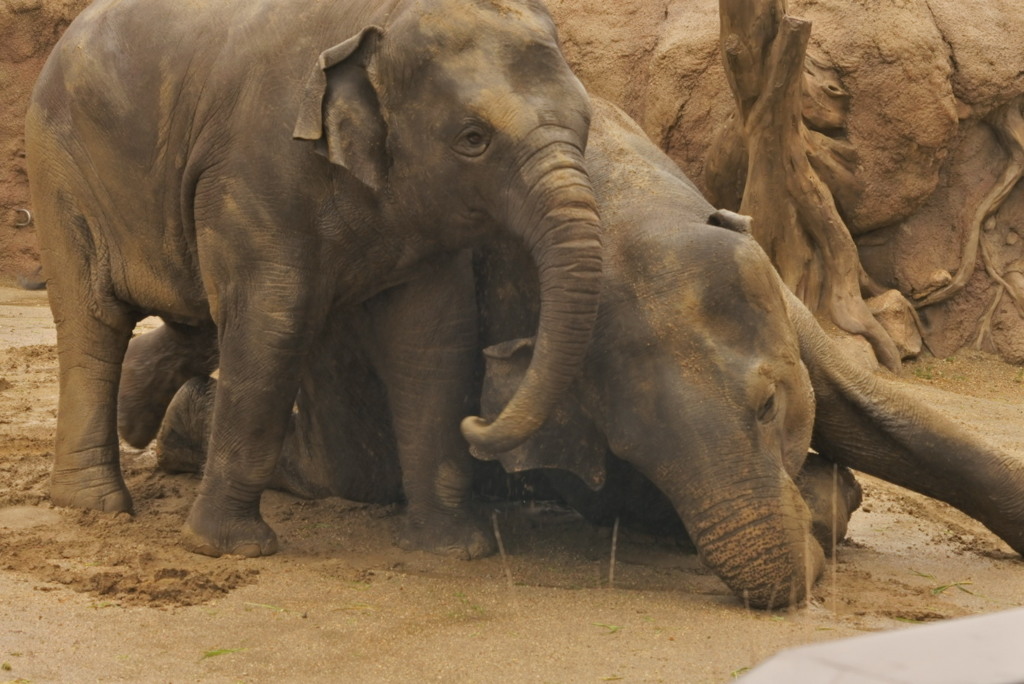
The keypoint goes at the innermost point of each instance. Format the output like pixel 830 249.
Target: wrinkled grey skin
pixel 704 375
pixel 708 377
pixel 166 181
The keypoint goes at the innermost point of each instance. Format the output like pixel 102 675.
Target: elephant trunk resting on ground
pixel 166 181
pixel 705 375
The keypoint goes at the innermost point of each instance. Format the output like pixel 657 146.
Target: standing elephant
pixel 704 375
pixel 166 181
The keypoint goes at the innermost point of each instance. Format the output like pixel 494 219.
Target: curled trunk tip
pixel 481 434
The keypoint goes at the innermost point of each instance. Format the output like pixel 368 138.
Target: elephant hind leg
pixel 424 343
pixel 93 329
pixel 91 342
pixel 155 366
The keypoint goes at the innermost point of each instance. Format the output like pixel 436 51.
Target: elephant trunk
pixel 555 211
pixel 756 536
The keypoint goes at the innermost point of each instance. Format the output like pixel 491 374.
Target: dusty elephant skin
pixel 711 379
pixel 697 377
pixel 166 181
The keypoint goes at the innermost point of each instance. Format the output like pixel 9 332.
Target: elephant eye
pixel 472 141
pixel 768 409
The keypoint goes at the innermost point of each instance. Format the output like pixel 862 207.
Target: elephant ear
pixel 569 440
pixel 340 110
pixel 738 223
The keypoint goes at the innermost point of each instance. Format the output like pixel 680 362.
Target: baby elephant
pixel 248 170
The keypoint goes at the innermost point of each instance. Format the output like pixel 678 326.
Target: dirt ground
pixel 90 597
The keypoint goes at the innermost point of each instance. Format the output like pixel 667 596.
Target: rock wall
pixel 925 80
pixel 28 30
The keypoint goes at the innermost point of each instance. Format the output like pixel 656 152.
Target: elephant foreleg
pixel 868 424
pixel 262 343
pixel 832 495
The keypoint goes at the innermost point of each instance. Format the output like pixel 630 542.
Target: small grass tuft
pixel 277 609
pixel 940 588
pixel 467 608
pixel 219 652
pixel 909 620
pixel 926 372
pixel 959 585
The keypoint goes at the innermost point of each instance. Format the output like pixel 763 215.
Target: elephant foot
pixel 178 453
pixel 184 435
pixel 137 420
pixel 155 366
pixel 142 397
pixel 832 494
pixel 99 487
pixel 459 535
pixel 210 530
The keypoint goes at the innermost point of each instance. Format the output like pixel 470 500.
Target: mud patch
pixel 113 558
pixel 23 517
pixel 154 587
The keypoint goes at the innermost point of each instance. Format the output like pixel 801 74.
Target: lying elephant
pixel 705 375
pixel 166 181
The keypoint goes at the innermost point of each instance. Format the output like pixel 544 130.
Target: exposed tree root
pixel 1008 124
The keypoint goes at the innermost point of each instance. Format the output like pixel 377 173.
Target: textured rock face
pixel 28 30
pixel 924 79
pixel 658 61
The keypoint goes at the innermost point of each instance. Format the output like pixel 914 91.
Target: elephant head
pixel 696 382
pixel 693 375
pixel 460 117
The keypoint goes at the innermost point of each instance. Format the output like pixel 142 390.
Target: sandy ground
pixel 89 597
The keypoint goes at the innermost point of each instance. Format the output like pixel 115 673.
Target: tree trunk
pixel 796 219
